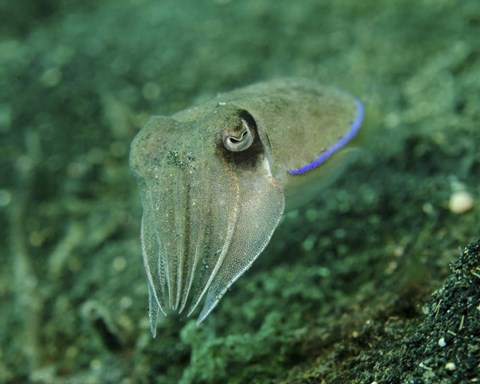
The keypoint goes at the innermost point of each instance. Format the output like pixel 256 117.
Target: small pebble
pixel 442 342
pixel 450 366
pixel 460 202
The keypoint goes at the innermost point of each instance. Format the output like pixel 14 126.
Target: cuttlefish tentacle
pixel 168 216
pixel 214 181
pixel 232 222
pixel 151 248
pixel 196 249
pixel 191 268
pixel 153 254
pixel 181 217
pixel 257 228
pixel 191 250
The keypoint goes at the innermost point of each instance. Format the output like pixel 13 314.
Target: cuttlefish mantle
pixel 215 179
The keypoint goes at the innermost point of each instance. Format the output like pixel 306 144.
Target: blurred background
pixel 344 278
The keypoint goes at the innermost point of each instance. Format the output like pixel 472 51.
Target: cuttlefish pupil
pixel 241 141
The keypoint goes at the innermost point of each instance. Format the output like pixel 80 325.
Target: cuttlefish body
pixel 214 181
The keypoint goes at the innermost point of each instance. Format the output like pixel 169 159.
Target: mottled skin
pixel 214 183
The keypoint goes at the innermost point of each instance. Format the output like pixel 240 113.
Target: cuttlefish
pixel 215 180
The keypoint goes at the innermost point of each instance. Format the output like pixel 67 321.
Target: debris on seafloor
pixel 448 340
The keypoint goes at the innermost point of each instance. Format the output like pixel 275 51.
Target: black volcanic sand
pixel 377 281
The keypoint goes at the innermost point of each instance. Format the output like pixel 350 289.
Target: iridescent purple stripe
pixel 339 144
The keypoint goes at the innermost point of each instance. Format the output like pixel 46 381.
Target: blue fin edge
pixel 357 122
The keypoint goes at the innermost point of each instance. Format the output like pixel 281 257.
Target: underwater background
pixel 376 281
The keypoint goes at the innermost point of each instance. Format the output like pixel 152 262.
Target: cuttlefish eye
pixel 237 142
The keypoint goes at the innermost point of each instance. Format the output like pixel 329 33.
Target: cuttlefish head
pixel 210 206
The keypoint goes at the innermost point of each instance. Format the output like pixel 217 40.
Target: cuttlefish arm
pixel 214 180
